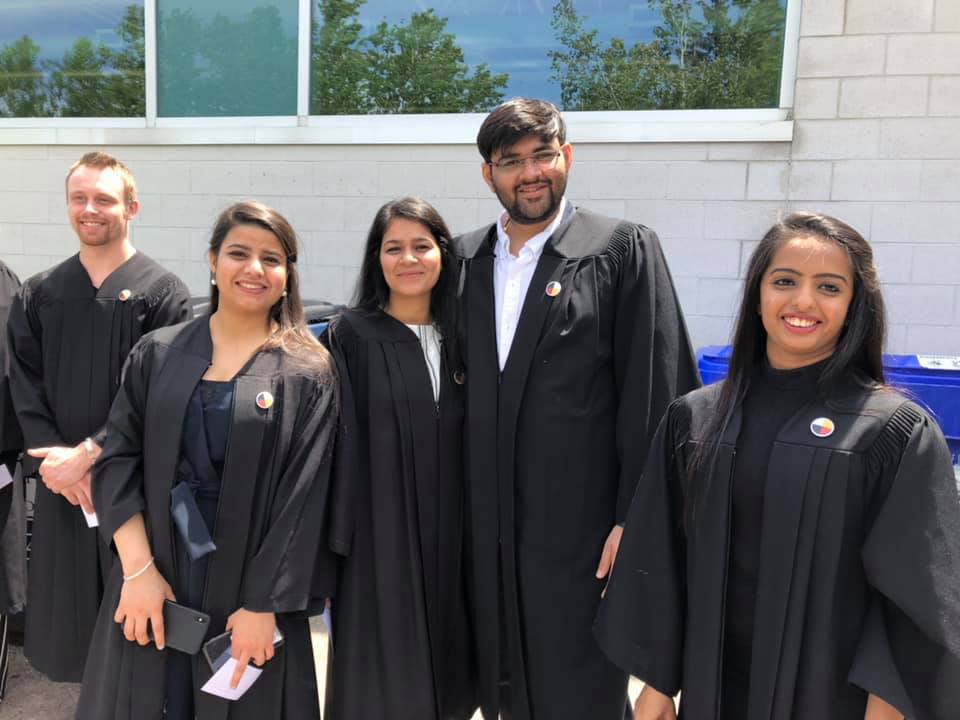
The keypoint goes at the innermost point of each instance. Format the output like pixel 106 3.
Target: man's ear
pixel 487 171
pixel 132 209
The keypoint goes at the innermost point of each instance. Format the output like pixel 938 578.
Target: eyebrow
pixel 418 238
pixel 816 275
pixel 241 246
pixel 539 148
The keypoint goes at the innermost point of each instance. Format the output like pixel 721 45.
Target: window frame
pixel 623 126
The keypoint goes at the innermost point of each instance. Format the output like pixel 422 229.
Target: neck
pixel 101 260
pixel 520 233
pixel 409 310
pixel 229 324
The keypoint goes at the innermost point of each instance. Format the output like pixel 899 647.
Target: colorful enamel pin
pixel 264 400
pixel 822 427
pixel 124 295
pixel 553 288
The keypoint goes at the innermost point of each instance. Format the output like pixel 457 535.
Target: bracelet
pixel 139 572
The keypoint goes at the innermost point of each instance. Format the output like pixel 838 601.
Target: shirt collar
pixel 534 246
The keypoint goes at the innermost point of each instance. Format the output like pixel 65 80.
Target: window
pixel 381 56
pixel 223 58
pixel 60 58
pixel 281 71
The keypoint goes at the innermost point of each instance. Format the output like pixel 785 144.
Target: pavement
pixel 30 696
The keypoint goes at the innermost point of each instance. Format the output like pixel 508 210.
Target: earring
pixel 213 281
pixel 284 294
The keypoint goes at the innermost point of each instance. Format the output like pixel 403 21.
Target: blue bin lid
pixel 931 380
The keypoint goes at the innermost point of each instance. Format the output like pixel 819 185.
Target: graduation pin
pixel 459 378
pixel 553 288
pixel 124 295
pixel 264 400
pixel 822 427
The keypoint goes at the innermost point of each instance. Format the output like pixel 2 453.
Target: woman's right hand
pixel 654 705
pixel 141 603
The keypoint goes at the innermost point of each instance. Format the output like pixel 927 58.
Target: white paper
pixel 219 683
pixel 5 477
pixel 91 518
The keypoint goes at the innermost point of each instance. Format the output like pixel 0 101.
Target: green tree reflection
pixel 90 80
pixel 411 67
pixel 704 54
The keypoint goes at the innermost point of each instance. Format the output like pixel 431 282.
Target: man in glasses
pixel 575 345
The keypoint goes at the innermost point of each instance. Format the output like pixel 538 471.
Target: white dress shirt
pixel 511 279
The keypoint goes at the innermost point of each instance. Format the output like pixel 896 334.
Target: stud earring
pixel 284 293
pixel 213 281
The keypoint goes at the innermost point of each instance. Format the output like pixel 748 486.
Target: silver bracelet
pixel 139 572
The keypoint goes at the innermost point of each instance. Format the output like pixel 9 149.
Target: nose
pixel 530 170
pixel 804 297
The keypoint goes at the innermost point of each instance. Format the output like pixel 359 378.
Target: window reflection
pixel 227 58
pixel 62 58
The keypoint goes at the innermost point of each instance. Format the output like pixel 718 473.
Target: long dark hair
pixel 858 353
pixel 372 291
pixel 292 334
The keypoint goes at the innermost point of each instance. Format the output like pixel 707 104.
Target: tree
pixel 338 72
pixel 412 67
pixel 704 54
pixel 22 89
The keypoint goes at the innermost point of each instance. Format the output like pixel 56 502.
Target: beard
pixel 544 212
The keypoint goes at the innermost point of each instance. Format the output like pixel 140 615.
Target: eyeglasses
pixel 545 159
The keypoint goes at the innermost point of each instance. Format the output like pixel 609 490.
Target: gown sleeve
pixel 118 473
pixel 26 378
pixel 909 652
pixel 11 440
pixel 341 341
pixel 654 362
pixel 280 577
pixel 640 624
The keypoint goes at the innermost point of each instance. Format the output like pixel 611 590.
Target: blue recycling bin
pixel 931 380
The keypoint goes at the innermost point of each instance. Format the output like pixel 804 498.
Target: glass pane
pixel 66 58
pixel 226 57
pixel 385 56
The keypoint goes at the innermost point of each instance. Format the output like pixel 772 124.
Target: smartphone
pixel 217 650
pixel 183 628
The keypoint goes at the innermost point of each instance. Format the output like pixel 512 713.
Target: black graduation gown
pixel 554 447
pixel 268 528
pixel 859 581
pixel 401 648
pixel 12 584
pixel 68 341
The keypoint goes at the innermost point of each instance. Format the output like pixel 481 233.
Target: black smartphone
pixel 183 628
pixel 217 650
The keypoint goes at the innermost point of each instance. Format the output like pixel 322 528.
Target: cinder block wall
pixel 876 142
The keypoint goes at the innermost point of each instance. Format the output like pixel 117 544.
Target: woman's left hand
pixel 252 640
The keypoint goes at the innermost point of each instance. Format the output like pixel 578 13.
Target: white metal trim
pixel 150 59
pixel 304 48
pixel 791 45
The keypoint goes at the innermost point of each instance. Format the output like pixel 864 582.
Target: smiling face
pixel 250 270
pixel 530 192
pixel 410 258
pixel 804 297
pixel 96 207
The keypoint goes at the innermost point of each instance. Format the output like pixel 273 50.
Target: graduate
pixel 400 644
pixel 793 548
pixel 574 345
pixel 12 562
pixel 211 486
pixel 69 333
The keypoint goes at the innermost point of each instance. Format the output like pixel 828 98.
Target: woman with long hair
pixel 212 485
pixel 793 548
pixel 400 644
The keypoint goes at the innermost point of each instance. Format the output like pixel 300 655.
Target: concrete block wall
pixel 876 143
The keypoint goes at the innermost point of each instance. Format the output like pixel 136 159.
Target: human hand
pixel 654 705
pixel 609 555
pixel 878 709
pixel 141 602
pixel 61 466
pixel 252 640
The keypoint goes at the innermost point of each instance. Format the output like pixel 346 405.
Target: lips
pixel 800 323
